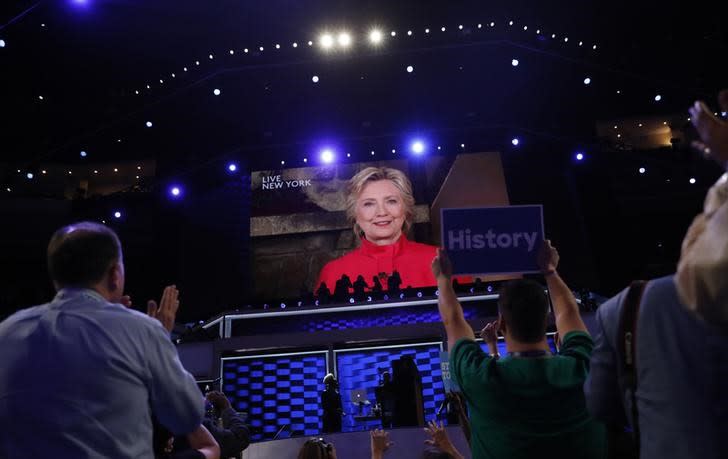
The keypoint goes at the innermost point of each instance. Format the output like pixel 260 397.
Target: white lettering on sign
pixel 274 182
pixel 463 239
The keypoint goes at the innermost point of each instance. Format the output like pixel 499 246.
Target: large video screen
pixel 303 235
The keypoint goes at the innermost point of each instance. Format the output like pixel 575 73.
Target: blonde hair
pixel 375 174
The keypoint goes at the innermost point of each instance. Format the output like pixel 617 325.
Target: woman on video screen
pixel 380 204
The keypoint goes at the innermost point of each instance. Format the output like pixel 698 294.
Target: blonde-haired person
pixel 380 205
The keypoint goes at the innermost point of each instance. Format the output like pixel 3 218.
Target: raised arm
pixel 451 312
pixel 566 311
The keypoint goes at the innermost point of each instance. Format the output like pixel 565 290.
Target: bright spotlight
pixel 83 154
pixel 315 79
pixel 344 39
pixel 232 167
pixel 587 80
pixel 29 175
pixel 375 36
pixel 117 214
pixel 418 147
pixel 579 156
pixel 327 156
pixel 658 98
pixel 2 43
pixel 149 124
pixel 642 170
pixel 175 191
pixel 216 92
pixel 692 180
pixel 514 62
pixel 326 40
pixel 515 141
pixel 410 69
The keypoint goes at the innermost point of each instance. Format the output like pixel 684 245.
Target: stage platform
pixel 408 444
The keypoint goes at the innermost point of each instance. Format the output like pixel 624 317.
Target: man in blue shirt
pixel 82 375
pixel 682 376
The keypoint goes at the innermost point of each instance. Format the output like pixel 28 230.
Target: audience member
pixel 360 287
pixel 232 434
pixel 675 399
pixel 317 448
pixel 703 267
pixel 82 375
pixel 529 403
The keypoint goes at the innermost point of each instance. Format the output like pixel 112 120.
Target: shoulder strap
pixel 628 347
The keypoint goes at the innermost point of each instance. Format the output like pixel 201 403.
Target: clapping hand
pixel 438 436
pixel 379 442
pixel 166 312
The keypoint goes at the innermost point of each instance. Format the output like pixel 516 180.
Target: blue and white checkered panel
pixel 382 318
pixel 360 369
pixel 276 391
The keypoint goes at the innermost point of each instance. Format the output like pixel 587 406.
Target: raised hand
pixel 441 266
pixel 166 312
pixel 712 130
pixel 438 436
pixel 125 301
pixel 219 401
pixel 379 442
pixel 489 333
pixel 548 257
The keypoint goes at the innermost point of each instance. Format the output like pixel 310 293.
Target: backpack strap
pixel 628 347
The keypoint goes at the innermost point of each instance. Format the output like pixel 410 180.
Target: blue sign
pixel 493 240
pixel 448 383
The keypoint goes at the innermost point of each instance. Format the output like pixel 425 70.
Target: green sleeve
pixel 577 344
pixel 468 362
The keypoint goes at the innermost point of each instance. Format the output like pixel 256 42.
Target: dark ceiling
pixel 86 58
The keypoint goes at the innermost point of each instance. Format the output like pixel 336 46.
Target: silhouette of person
pixel 360 286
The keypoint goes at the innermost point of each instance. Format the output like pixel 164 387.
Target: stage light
pixel 327 156
pixel 401 296
pixel 525 27
pixel 587 80
pixel 427 30
pixel 369 298
pixel 419 294
pixel 295 45
pixel 161 81
pixel 197 62
pixel 439 147
pixel 283 305
pixel 510 23
pixel 462 145
pixel 246 50
pixel 344 39
pixel 305 160
pixel 658 98
pixel 216 92
pixel 316 303
pixel 326 41
pixel 184 68
pixel 492 24
pixel 83 154
pixel 116 169
pixel 514 62
pixel 351 300
pixel 553 35
pixel 642 170
pixel 40 97
pixel 409 33
pixel 480 26
pixel 315 79
pixel 579 156
pixel 310 43
pixel 375 36
pixel 117 214
pixel 299 304
pixel 29 175
pixel 348 155
pixel 393 33
pixel 260 49
pixel 278 46
pixel 2 43
pixel 386 297
pixel 175 76
pixel 283 163
pixel 232 52
pixel 594 47
pixel 96 172
pixel 44 172
pixel 566 39
pixel 442 29
pixel 175 191
pixel 489 288
pixel 460 27
pixel 418 147
pixel 692 180
pixel 139 168
pixel 410 69
pixel 232 167
pixel 515 141
pixel 70 173
pixel 149 124
pixel 136 92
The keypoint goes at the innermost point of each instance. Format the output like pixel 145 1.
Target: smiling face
pixel 380 212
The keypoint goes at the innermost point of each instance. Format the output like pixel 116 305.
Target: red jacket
pixel 411 260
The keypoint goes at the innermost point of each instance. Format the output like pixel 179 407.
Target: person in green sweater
pixel 529 403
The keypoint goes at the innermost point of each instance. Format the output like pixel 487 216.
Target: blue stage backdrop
pixel 360 369
pixel 276 391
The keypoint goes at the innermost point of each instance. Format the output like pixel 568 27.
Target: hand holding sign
pixel 548 258
pixel 441 266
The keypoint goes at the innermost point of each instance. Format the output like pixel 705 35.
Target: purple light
pixel 327 156
pixel 232 167
pixel 515 141
pixel 117 214
pixel 579 156
pixel 418 147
